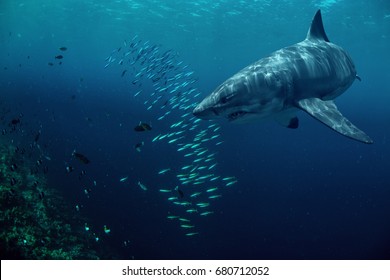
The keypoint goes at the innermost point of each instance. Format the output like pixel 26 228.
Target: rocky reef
pixel 35 222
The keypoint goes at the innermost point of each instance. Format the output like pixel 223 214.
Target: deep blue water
pixel 308 193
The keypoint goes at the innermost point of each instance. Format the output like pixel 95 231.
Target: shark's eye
pixel 225 99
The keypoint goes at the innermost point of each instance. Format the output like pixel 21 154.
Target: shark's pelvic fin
pixel 327 113
pixel 316 30
pixel 287 119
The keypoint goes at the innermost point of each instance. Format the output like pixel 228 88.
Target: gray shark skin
pixel 306 76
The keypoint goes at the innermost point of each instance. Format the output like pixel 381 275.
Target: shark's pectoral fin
pixel 327 113
pixel 287 120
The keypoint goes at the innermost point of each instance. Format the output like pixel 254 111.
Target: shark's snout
pixel 197 110
pixel 203 112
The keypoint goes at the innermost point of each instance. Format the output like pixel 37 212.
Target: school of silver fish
pixel 196 183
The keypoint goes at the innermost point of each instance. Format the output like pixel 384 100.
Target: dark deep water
pixel 308 193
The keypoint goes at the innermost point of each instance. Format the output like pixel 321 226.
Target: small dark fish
pixel 180 192
pixel 138 146
pixel 41 195
pixel 87 191
pixel 63 49
pixel 81 158
pixel 124 72
pixel 50 64
pixel 82 173
pixel 36 138
pixel 39 162
pixel 142 127
pixel 35 184
pixel 69 169
pixel 13 181
pixel 15 121
pixel 12 192
pixel 14 167
pixel 59 57
pixel 4 132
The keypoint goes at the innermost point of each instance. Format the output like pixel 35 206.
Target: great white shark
pixel 306 76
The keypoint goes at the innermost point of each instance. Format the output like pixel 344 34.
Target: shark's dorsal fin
pixel 327 113
pixel 316 30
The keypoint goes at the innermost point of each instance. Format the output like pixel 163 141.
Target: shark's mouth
pixel 236 115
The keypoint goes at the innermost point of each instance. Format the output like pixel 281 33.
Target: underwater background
pixel 102 158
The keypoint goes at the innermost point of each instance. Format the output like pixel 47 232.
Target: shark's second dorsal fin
pixel 316 30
